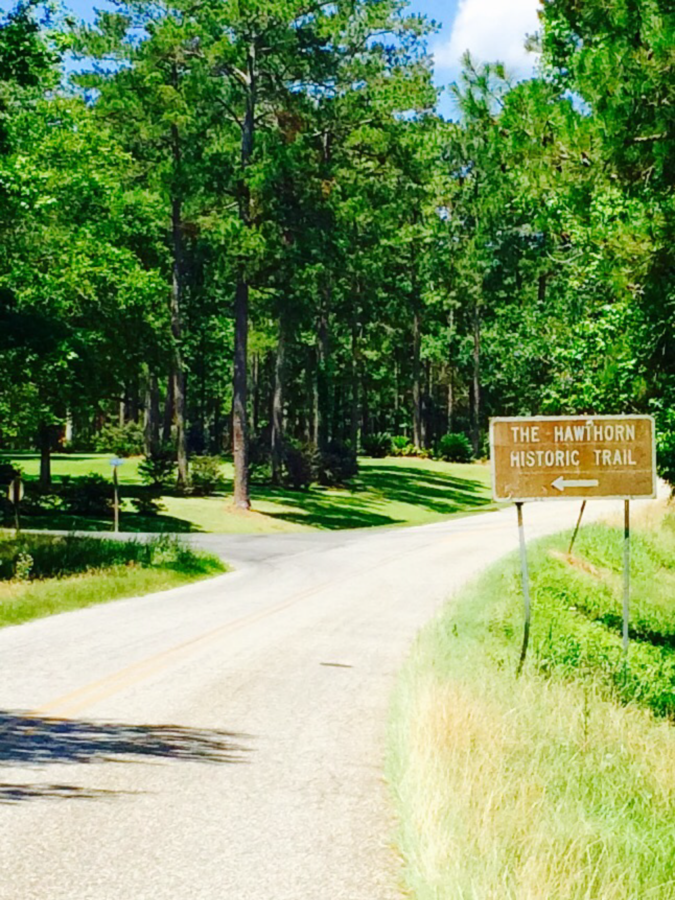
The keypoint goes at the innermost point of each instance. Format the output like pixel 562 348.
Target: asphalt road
pixel 226 740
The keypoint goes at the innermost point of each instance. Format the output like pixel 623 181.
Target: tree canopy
pixel 245 226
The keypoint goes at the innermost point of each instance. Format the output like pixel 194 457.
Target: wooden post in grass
pixel 626 574
pixel 526 588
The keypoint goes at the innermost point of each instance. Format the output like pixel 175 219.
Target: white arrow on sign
pixel 561 483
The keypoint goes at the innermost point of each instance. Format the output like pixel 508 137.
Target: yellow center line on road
pixel 75 702
pixel 72 703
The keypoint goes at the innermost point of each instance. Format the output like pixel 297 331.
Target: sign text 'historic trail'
pixel 548 457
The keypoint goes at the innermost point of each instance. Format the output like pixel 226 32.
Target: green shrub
pixel 41 556
pixel 124 440
pixel 8 471
pixel 147 504
pixel 23 566
pixel 205 475
pixel 90 495
pixel 402 446
pixel 665 457
pixel 377 445
pixel 159 470
pixel 337 464
pixel 260 460
pixel 36 500
pixel 300 465
pixel 454 447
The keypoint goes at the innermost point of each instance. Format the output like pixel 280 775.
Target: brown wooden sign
pixel 555 458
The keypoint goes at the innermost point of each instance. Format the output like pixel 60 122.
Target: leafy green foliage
pixel 401 445
pixel 377 445
pixel 8 472
pixel 159 470
pixel 300 463
pixel 336 465
pixel 123 440
pixel 454 447
pixel 390 270
pixel 58 557
pixel 206 475
pixel 665 455
pixel 90 495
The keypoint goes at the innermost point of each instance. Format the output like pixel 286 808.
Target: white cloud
pixel 491 30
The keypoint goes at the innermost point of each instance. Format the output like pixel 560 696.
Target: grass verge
pixel 559 785
pixel 40 576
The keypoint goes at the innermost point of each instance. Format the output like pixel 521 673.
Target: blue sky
pixel 490 29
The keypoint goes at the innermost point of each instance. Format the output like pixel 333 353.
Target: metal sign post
pixel 116 463
pixel 626 575
pixel 526 587
pixel 576 530
pixel 15 494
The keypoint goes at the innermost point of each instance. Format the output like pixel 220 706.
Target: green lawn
pixel 561 783
pixel 392 491
pixel 41 575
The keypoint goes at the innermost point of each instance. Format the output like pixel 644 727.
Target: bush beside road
pixel 41 575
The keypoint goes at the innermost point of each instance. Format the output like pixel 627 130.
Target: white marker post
pixel 116 463
pixel 15 496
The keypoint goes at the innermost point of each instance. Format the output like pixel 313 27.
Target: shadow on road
pixel 17 793
pixel 35 741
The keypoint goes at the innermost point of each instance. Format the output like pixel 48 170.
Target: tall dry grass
pixel 538 788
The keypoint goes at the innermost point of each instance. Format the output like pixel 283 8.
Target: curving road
pixel 225 740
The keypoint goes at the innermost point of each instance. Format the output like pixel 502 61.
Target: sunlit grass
pixel 390 492
pixel 559 785
pixel 40 576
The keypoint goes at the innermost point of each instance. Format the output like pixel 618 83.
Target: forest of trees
pixel 243 223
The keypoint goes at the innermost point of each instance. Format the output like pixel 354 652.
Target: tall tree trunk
pixel 45 440
pixel 417 379
pixel 242 497
pixel 179 376
pixel 167 423
pixel 316 401
pixel 151 430
pixel 451 399
pixel 476 385
pixel 239 416
pixel 354 418
pixel 217 441
pixel 278 405
pixel 322 383
pixel 256 394
pixel 365 408
pixel 427 407
pixel 395 412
